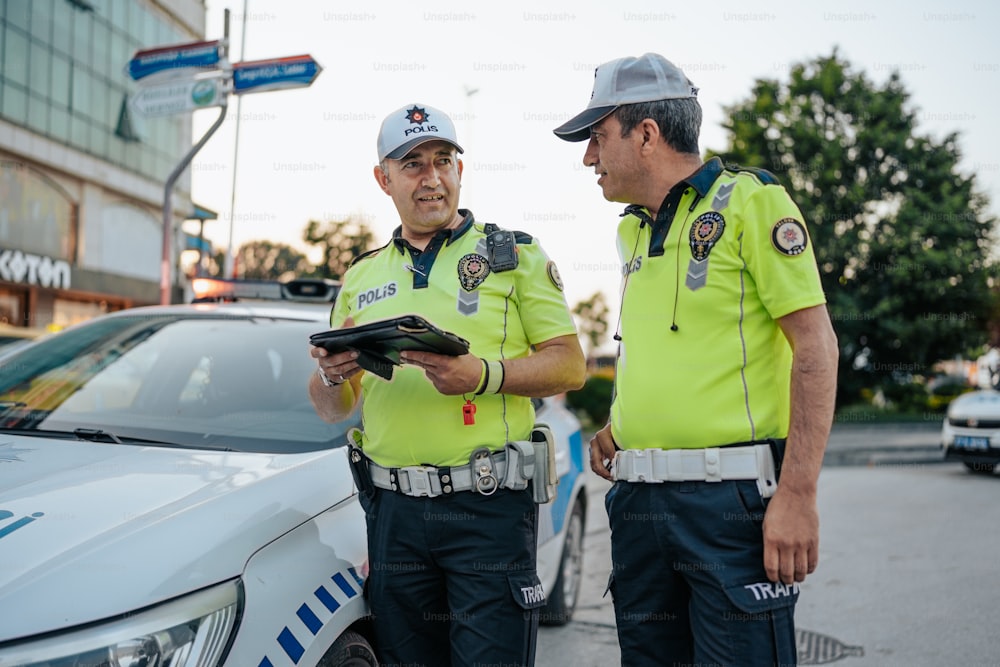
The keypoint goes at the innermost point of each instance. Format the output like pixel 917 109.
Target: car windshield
pixel 189 380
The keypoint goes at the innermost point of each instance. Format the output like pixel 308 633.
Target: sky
pixel 508 73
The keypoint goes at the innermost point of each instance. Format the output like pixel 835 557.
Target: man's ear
pixel 650 133
pixel 382 178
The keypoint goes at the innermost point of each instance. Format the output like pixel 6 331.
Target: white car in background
pixel 971 430
pixel 169 497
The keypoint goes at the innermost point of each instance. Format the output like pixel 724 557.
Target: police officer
pixel 727 356
pixel 452 549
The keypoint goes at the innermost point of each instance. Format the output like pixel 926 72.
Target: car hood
pixel 983 404
pixel 90 530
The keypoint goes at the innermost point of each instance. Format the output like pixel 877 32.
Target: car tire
pixel 350 650
pixel 981 468
pixel 561 601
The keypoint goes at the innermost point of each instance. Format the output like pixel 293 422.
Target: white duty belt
pixel 713 464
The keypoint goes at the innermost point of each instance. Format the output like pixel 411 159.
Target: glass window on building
pixel 66 313
pixel 36 216
pixel 62 76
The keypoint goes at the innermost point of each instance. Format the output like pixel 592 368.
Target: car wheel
pixel 984 468
pixel 350 650
pixel 561 602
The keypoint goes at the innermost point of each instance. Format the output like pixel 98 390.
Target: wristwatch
pixel 327 381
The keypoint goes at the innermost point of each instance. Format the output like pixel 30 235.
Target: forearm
pixel 334 404
pixel 813 397
pixel 556 366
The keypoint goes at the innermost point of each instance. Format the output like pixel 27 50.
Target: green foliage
pixel 592 315
pixel 263 260
pixel 592 402
pixel 340 242
pixel 902 238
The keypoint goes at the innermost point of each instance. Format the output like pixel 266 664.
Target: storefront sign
pixel 23 267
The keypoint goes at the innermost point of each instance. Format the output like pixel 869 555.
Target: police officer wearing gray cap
pixel 725 378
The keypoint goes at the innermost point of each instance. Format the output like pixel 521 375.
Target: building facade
pixel 81 176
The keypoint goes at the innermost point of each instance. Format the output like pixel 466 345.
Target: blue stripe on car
pixel 345 585
pixel 291 645
pixel 564 491
pixel 309 619
pixel 328 600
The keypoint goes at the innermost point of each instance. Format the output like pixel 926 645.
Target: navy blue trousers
pixel 688 578
pixel 453 579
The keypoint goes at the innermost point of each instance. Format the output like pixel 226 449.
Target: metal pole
pixel 168 213
pixel 168 205
pixel 230 263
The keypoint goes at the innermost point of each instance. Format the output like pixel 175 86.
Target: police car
pixel 169 497
pixel 971 430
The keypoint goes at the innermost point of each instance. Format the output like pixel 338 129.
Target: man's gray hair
pixel 679 121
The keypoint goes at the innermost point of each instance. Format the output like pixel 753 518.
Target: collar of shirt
pixel 701 181
pixel 443 237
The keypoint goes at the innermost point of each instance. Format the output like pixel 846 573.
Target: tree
pixel 902 238
pixel 341 241
pixel 264 260
pixel 592 315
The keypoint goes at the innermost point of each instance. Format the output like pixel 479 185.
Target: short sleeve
pixel 539 291
pixel 779 252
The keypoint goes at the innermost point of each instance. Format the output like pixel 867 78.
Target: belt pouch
pixel 359 470
pixel 544 480
pixel 520 465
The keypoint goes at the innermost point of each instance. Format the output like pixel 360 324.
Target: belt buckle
pixel 642 466
pixel 484 477
pixel 419 479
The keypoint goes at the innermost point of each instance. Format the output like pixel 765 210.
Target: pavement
pixel 867 444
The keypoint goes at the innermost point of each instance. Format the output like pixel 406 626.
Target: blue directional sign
pixel 257 76
pixel 178 56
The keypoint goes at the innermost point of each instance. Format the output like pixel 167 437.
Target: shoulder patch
pixel 788 236
pixel 553 273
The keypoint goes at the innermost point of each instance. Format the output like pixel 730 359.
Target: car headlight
pixel 192 631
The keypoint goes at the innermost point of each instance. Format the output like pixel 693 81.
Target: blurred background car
pixel 971 430
pixel 164 469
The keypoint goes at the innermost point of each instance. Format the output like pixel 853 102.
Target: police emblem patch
pixel 472 271
pixel 788 236
pixel 706 230
pixel 553 272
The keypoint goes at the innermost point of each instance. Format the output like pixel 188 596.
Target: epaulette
pixel 368 253
pixel 763 175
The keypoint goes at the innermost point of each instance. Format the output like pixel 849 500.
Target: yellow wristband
pixel 484 377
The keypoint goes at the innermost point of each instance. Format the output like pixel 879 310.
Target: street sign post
pixel 170 89
pixel 258 76
pixel 178 96
pixel 202 55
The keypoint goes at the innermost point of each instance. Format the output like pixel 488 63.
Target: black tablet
pixel 379 343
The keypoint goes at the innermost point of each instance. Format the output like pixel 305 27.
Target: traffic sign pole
pixel 168 88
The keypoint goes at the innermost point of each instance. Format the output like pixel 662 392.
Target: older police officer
pixel 727 357
pixel 452 551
